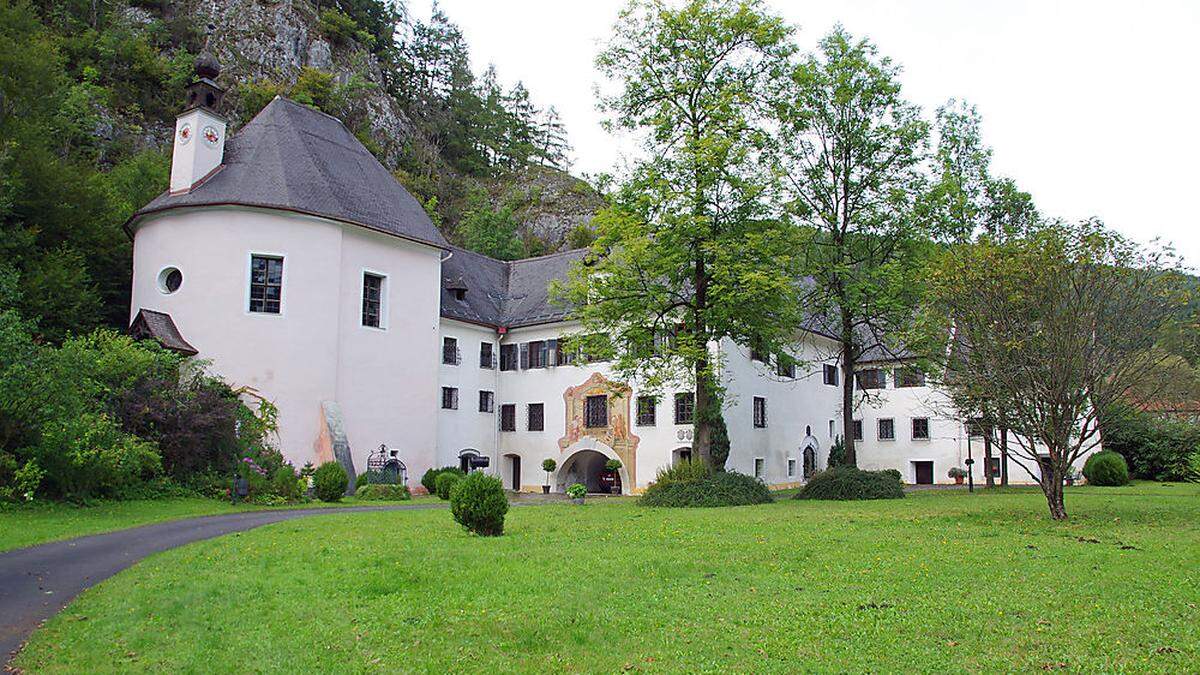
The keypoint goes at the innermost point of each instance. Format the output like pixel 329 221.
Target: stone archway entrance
pixel 810 462
pixel 585 466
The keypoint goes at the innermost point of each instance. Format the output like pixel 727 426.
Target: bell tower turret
pixel 200 129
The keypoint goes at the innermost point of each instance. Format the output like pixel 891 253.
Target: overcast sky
pixel 1093 107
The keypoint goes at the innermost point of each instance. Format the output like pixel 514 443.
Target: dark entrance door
pixel 516 473
pixel 924 471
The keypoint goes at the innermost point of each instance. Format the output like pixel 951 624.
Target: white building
pixel 295 263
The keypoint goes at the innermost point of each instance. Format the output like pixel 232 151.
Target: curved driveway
pixel 37 582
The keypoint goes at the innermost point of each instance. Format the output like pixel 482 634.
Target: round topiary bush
pixel 330 481
pixel 695 485
pixel 478 503
pixel 1106 468
pixel 445 483
pixel 382 492
pixel 429 479
pixel 848 482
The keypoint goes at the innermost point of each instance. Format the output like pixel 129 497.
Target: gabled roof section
pixel 158 326
pixel 295 158
pixel 504 294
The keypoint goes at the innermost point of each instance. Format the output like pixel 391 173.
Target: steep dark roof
pixel 498 293
pixel 158 326
pixel 296 158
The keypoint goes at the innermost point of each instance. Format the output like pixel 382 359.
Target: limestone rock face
pixel 551 203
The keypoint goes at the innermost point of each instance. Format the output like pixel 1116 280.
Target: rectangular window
pixel 266 284
pixel 450 351
pixel 372 300
pixel 566 354
pixel 831 428
pixel 785 366
pixel 887 429
pixel 595 411
pixel 994 466
pixel 909 377
pixel 508 357
pixel 791 467
pixel 646 411
pixel 760 412
pixel 872 378
pixel 450 398
pixel 685 406
pixel 920 428
pixel 537 354
pixel 831 374
pixel 487 401
pixel 858 430
pixel 524 356
pixel 537 417
pixel 487 358
pixel 760 467
pixel 508 417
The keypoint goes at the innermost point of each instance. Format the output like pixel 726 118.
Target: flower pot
pixel 545 489
pixel 958 480
pixel 577 500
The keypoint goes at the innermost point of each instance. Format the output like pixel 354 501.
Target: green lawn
pixel 942 580
pixel 39 523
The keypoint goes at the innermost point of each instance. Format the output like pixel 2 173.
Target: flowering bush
pixel 577 491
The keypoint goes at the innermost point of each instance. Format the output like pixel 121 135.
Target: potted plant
pixel 577 492
pixel 958 474
pixel 548 465
pixel 610 479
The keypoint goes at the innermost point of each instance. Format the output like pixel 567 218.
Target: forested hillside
pixel 89 90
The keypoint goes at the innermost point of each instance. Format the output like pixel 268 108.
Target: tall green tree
pixel 852 157
pixel 689 255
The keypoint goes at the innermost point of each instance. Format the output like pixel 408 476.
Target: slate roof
pixel 299 159
pixel 499 293
pixel 158 326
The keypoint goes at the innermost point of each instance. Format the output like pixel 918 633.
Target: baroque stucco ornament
pixel 617 434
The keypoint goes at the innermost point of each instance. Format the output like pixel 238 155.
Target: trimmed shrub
pixel 286 485
pixel 848 483
pixel 1153 448
pixel 445 483
pixel 376 478
pixel 429 479
pixel 699 486
pixel 382 492
pixel 1106 468
pixel 894 473
pixel 837 454
pixel 478 503
pixel 330 481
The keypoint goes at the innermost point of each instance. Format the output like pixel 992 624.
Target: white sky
pixel 1091 106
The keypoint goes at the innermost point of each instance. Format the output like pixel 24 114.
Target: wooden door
pixel 924 471
pixel 516 473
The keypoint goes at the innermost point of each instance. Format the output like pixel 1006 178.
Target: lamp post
pixel 970 461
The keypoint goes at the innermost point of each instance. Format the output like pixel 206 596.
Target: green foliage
pixel 376 478
pixel 429 479
pixel 336 26
pixel 492 232
pixel 446 481
pixel 849 483
pixel 613 464
pixel 837 454
pixel 382 492
pixel 699 487
pixel 1155 448
pixel 577 491
pixel 549 465
pixel 88 456
pixel 330 481
pixel 18 482
pixel 1106 468
pixel 286 485
pixel 956 472
pixel 479 504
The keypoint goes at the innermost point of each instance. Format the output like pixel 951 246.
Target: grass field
pixel 27 525
pixel 941 580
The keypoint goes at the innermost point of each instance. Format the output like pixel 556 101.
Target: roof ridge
pixel 548 255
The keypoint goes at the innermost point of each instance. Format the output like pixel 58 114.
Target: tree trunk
pixel 987 458
pixel 848 359
pixel 1004 456
pixel 701 421
pixel 1051 481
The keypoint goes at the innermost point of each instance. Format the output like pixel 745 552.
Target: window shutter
pixel 551 352
pixel 524 355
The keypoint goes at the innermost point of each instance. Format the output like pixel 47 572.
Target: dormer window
pixel 457 288
pixel 459 293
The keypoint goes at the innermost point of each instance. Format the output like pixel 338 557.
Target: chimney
pixel 199 129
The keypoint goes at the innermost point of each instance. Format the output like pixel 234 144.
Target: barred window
pixel 785 366
pixel 537 414
pixel 450 351
pixel 487 401
pixel 372 300
pixel 537 354
pixel 450 398
pixel 266 284
pixel 508 357
pixel 595 411
pixel 760 467
pixel 887 429
pixel 685 407
pixel 920 428
pixel 508 417
pixel 646 411
pixel 487 358
pixel 760 412
pixel 872 378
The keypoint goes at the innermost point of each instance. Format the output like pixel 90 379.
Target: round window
pixel 170 279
